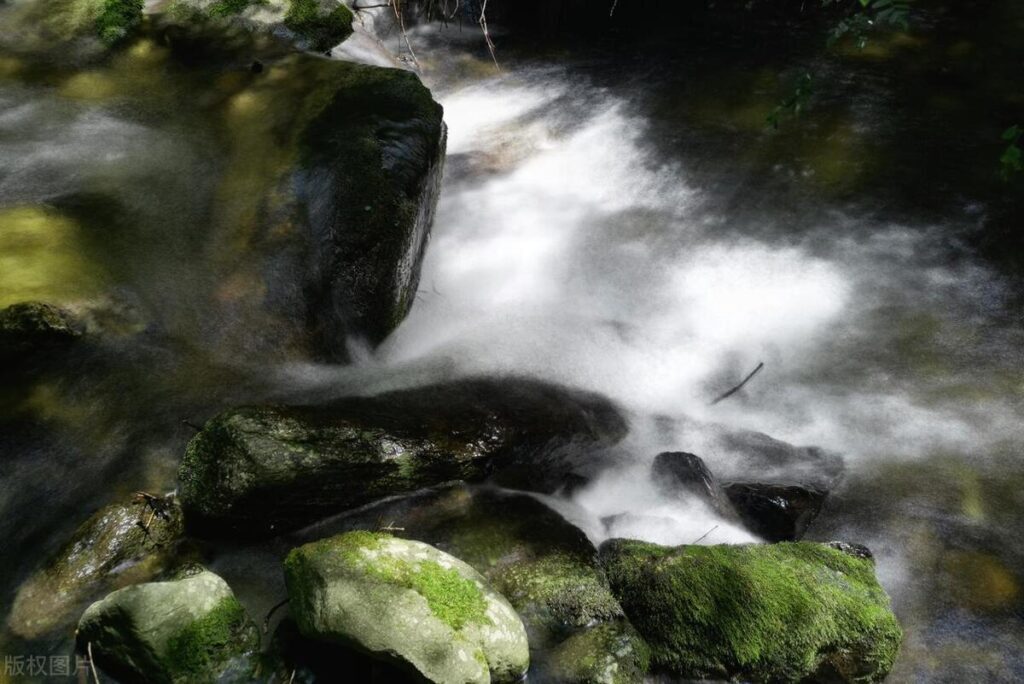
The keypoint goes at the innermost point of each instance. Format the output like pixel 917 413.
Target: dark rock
pixel 855 550
pixel 785 612
pixel 775 512
pixel 270 469
pixel 33 329
pixel 756 456
pixel 191 629
pixel 679 473
pixel 115 546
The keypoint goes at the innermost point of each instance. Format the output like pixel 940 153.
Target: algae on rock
pixel 766 613
pixel 407 603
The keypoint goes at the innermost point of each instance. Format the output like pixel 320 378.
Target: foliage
pixel 867 15
pixel 117 19
pixel 1012 160
pixel 795 103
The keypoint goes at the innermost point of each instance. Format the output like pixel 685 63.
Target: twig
pixel 270 614
pixel 615 3
pixel 92 665
pixel 704 536
pixel 395 4
pixel 292 678
pixel 487 34
pixel 738 387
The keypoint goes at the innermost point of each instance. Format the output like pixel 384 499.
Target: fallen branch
pixel 270 614
pixel 92 665
pixel 738 387
pixel 487 34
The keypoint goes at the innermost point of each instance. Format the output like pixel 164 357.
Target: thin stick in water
pixel 705 535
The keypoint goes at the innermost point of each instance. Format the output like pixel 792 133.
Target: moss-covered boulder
pixel 407 603
pixel 765 613
pixel 544 565
pixel 190 629
pixel 312 24
pixel 610 653
pixel 269 469
pixel 121 544
pixel 30 329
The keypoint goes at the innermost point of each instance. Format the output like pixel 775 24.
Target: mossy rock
pixel 544 565
pixel 406 603
pixel 83 27
pixel 263 470
pixel 764 613
pixel 609 653
pixel 121 544
pixel 30 329
pixel 312 24
pixel 191 629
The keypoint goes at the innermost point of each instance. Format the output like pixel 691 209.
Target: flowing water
pixel 618 223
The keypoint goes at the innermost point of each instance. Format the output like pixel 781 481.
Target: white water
pixel 566 250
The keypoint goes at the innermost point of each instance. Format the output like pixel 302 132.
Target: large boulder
pixel 266 469
pixel 762 613
pixel 191 629
pixel 121 544
pixel 311 24
pixel 775 512
pixel 407 603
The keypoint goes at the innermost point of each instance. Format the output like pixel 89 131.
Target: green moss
pixel 228 8
pixel 454 599
pixel 209 641
pixel 323 30
pixel 118 19
pixel 571 593
pixel 611 653
pixel 768 612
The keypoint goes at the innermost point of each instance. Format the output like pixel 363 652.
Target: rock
pixel 763 613
pixel 545 566
pixel 32 329
pixel 191 629
pixel 407 603
pixel 260 470
pixel 84 28
pixel 315 25
pixel 855 550
pixel 753 454
pixel 775 512
pixel 109 549
pixel 679 473
pixel 611 653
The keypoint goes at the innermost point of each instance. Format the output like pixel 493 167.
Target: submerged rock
pixel 191 629
pixel 121 544
pixel 30 329
pixel 769 460
pixel 775 512
pixel 312 24
pixel 269 469
pixel 763 613
pixel 407 603
pixel 84 28
pixel 611 653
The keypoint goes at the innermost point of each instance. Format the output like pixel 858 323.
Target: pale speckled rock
pixel 192 629
pixel 408 603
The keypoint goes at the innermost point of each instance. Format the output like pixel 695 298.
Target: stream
pixel 609 221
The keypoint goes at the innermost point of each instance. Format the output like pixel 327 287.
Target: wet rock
pixel 545 566
pixel 311 24
pixel 121 544
pixel 776 612
pixel 190 629
pixel 611 653
pixel 775 512
pixel 678 473
pixel 82 28
pixel 753 454
pixel 407 603
pixel 269 469
pixel 30 330
pixel 855 550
